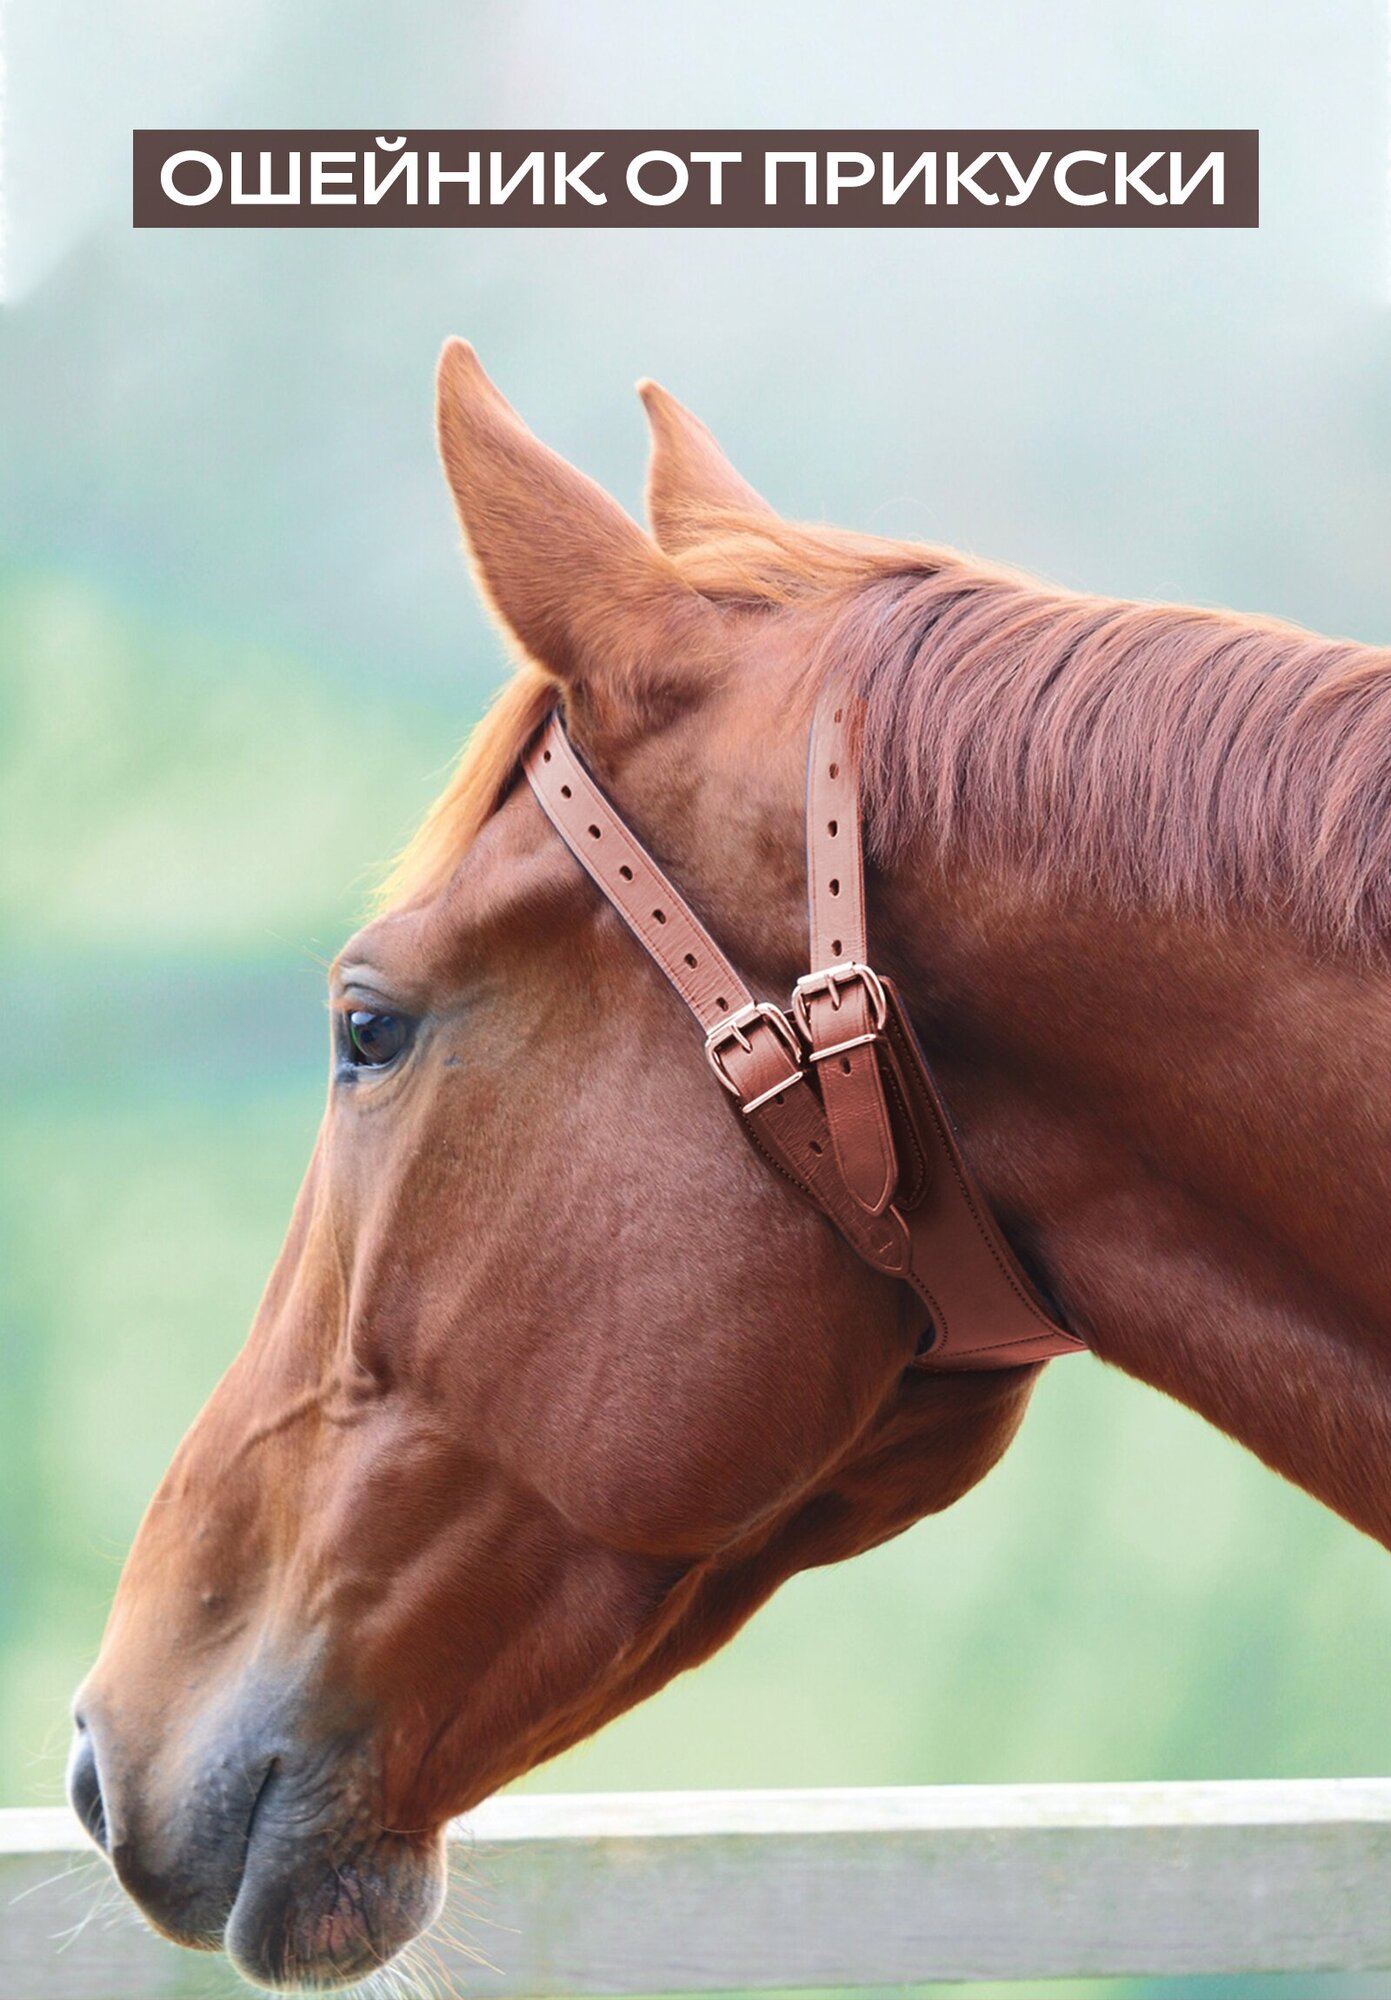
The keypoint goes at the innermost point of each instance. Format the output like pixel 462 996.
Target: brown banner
pixel 1073 179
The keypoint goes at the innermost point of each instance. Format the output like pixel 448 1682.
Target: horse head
pixel 554 1381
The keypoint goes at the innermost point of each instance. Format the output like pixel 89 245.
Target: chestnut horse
pixel 555 1381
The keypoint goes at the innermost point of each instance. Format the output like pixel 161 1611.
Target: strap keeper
pixel 840 1048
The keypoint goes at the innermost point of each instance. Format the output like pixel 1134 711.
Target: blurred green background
pixel 239 651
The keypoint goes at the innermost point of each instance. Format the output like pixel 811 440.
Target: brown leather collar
pixel 836 1094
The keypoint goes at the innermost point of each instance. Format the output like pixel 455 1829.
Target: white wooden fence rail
pixel 717 1891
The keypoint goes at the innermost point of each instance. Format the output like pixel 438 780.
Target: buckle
pixel 735 1029
pixel 831 979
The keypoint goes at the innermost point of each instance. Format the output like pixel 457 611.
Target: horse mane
pixel 1149 753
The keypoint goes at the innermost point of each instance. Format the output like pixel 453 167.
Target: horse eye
pixel 375 1039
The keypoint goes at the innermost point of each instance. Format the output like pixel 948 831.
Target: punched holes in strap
pixel 749 1044
pixel 840 1004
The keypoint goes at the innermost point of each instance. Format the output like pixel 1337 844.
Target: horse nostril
pixel 84 1788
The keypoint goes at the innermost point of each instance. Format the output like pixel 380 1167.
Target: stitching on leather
pixel 808 1192
pixel 868 1111
pixel 906 1137
pixel 805 1188
pixel 842 1114
pixel 1017 1340
pixel 873 1102
pixel 986 1238
pixel 939 1320
pixel 901 1273
pixel 983 1230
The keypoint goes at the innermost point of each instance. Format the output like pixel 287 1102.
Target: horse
pixel 555 1381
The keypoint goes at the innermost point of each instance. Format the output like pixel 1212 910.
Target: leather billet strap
pixel 750 1047
pixel 839 1003
pixel 841 1103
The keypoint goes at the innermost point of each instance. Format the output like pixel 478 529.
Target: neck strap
pixel 836 1094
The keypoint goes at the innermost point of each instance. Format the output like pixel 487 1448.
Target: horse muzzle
pixel 262 1844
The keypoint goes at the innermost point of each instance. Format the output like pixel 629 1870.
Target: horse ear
pixel 689 479
pixel 575 581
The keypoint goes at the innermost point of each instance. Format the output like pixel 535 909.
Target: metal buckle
pixel 830 980
pixel 735 1029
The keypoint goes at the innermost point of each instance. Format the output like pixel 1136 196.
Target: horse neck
pixel 1187 1130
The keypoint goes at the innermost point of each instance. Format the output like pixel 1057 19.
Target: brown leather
pixel 839 1006
pixel 858 1127
pixel 751 1049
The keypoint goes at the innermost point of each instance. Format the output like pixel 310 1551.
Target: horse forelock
pixel 474 790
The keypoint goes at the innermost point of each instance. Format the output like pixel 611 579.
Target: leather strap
pixel 749 1046
pixel 840 1005
pixel 859 1128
